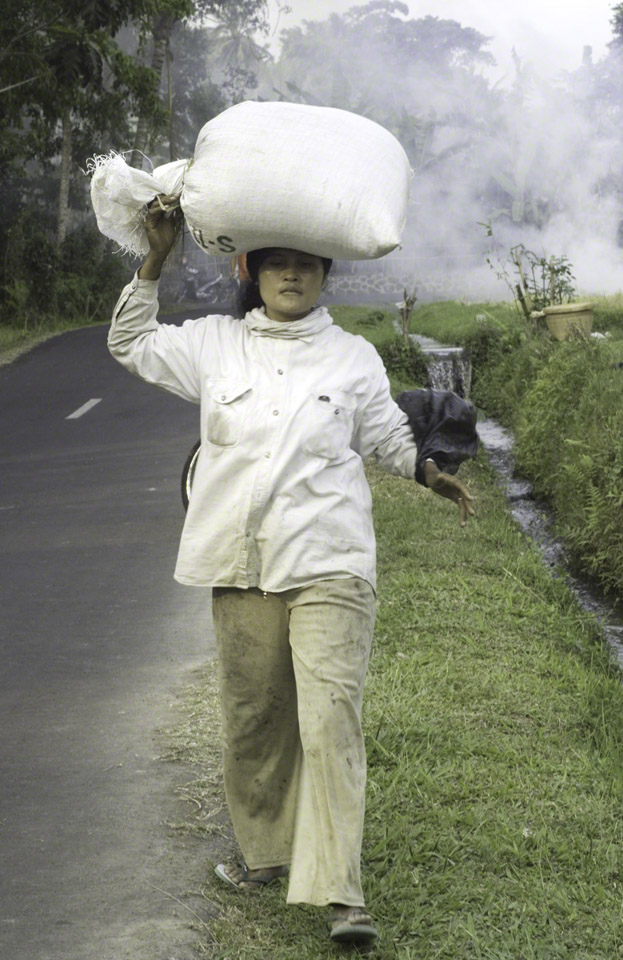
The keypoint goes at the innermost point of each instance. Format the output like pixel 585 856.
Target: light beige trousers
pixel 292 667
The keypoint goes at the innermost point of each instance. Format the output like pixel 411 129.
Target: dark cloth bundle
pixel 444 428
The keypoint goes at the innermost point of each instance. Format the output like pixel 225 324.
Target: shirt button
pixel 268 455
pixel 275 413
pixel 248 533
pixel 280 372
pixel 224 397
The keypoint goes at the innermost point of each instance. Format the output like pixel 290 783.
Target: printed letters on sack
pixel 223 244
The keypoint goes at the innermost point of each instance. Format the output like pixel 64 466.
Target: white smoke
pixel 557 172
pixel 541 161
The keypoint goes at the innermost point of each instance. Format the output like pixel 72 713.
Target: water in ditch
pixel 448 368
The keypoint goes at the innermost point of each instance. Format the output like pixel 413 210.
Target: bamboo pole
pixel 524 295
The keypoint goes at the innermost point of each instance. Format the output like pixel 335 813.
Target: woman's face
pixel 290 283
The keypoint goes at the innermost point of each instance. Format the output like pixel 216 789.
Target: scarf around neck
pixel 259 325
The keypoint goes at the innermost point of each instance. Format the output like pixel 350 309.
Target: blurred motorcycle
pixel 221 290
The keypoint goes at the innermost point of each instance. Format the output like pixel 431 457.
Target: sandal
pixel 221 872
pixel 355 927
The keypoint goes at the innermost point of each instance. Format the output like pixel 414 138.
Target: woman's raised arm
pixel 162 354
pixel 164 219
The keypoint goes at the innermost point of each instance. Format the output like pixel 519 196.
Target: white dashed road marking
pixel 83 409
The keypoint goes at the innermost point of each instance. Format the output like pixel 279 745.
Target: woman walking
pixel 279 525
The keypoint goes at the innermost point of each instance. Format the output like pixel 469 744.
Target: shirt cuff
pixel 143 292
pixel 420 475
pixel 146 286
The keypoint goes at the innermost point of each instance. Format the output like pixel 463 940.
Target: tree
pixel 80 85
pixel 374 61
pixel 161 29
pixel 236 20
pixel 193 95
pixel 236 53
pixel 605 93
pixel 210 66
pixel 616 22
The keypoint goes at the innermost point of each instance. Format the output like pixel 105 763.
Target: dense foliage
pixel 404 360
pixel 77 281
pixel 570 443
pixel 79 78
pixel 62 56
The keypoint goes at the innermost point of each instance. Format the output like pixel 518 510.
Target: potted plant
pixel 546 290
pixel 543 288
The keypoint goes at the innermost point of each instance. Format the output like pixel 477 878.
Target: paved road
pixel 96 643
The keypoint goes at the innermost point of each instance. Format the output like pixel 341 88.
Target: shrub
pixel 29 259
pixel 39 283
pixel 405 360
pixel 90 276
pixel 372 319
pixel 503 368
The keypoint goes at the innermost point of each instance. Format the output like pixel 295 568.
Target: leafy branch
pixel 539 281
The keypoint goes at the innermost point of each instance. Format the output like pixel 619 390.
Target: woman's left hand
pixel 445 485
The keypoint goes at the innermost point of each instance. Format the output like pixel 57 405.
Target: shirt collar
pixel 259 325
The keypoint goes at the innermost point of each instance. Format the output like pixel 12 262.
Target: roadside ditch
pixel 448 369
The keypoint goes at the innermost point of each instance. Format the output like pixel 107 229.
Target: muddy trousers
pixel 292 667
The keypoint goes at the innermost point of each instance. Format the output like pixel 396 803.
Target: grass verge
pixel 569 443
pixel 14 342
pixel 564 401
pixel 494 729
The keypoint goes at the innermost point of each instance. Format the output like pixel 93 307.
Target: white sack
pixel 120 194
pixel 317 179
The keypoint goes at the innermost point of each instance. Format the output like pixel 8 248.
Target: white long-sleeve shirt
pixel 279 498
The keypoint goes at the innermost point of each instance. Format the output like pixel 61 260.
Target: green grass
pixel 496 736
pixel 494 728
pixel 454 321
pixel 569 442
pixel 450 321
pixel 373 323
pixel 608 314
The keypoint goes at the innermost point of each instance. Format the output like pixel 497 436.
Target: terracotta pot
pixel 565 320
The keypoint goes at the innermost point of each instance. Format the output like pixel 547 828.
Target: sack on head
pixel 318 179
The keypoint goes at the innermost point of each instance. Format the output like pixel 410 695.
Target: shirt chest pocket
pixel 227 405
pixel 328 424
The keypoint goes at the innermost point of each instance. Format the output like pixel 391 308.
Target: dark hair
pixel 249 294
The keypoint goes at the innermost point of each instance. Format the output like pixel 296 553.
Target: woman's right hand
pixel 162 224
pixel 446 485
